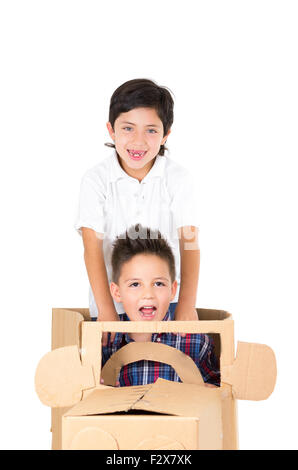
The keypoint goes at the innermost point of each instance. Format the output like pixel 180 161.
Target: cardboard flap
pixel 133 352
pixel 188 400
pixel 60 377
pixel 109 400
pixel 179 399
pixel 163 396
pixel 253 373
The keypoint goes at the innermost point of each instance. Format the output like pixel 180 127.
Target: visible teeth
pixel 137 154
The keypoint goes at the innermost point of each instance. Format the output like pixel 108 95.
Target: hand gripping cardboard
pixel 184 415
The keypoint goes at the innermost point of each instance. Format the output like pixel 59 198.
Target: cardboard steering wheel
pixel 137 351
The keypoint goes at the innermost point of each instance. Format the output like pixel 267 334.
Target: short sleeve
pixel 91 204
pixel 185 203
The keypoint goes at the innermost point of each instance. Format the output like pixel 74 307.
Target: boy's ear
pixel 174 289
pixel 165 137
pixel 111 130
pixel 115 292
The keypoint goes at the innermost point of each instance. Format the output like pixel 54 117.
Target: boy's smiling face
pixel 145 288
pixel 138 135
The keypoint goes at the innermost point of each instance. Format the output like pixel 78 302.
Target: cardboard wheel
pixel 60 377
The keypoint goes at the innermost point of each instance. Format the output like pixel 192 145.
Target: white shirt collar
pixel 117 172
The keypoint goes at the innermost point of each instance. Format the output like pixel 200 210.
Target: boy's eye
pixel 134 284
pixel 151 131
pixel 159 284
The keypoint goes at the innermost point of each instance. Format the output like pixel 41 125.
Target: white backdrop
pixel 232 66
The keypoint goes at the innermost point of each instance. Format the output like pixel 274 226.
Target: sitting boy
pixel 144 280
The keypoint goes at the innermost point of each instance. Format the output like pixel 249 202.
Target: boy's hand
pixel 108 315
pixel 185 313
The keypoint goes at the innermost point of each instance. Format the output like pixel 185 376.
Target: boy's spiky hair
pixel 140 240
pixel 143 93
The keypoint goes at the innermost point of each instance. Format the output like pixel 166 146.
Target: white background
pixel 232 66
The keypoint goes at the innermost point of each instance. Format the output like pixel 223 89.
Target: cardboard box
pixel 163 415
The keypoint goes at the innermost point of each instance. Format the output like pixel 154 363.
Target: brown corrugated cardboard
pixel 130 432
pixel 190 415
pixel 61 378
pixel 253 374
pixel 66 331
pixel 163 397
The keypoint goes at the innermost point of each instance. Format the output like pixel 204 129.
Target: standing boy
pixel 138 183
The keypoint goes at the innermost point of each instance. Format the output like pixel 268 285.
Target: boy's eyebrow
pixel 133 124
pixel 139 279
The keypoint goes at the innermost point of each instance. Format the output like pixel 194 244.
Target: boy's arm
pixel 190 265
pixel 97 274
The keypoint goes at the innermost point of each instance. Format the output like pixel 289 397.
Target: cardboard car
pixel 163 415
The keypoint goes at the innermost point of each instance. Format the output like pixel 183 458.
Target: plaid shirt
pixel 199 347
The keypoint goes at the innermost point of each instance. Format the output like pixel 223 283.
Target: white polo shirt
pixel 111 202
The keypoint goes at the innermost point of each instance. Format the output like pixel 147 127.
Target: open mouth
pixel 148 312
pixel 137 154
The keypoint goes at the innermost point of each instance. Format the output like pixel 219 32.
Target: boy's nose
pixel 147 294
pixel 139 139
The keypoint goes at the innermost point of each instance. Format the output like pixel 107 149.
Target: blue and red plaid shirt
pixel 199 347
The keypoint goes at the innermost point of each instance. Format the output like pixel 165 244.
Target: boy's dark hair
pixel 140 240
pixel 143 93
